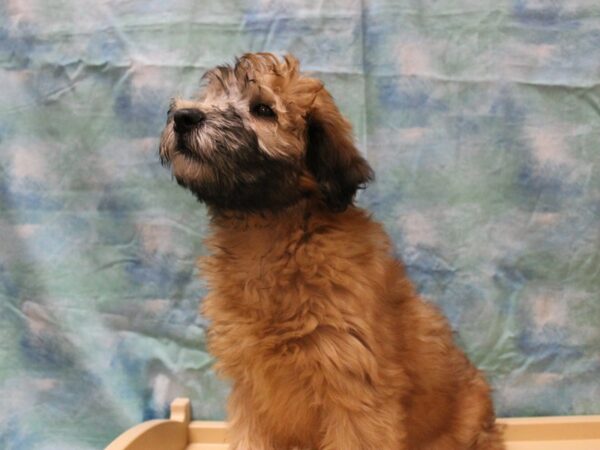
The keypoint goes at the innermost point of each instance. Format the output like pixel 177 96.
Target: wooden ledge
pixel 179 433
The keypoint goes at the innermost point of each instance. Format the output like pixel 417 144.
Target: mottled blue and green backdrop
pixel 480 117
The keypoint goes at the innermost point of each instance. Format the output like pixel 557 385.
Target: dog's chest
pixel 273 276
pixel 267 304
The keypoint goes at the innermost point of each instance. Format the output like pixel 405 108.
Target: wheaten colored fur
pixel 313 320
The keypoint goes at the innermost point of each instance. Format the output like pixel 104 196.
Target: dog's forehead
pixel 246 76
pixel 219 80
pixel 260 76
pixel 253 66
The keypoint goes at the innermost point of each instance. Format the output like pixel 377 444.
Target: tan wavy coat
pixel 313 319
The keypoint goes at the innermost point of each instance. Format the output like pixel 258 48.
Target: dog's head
pixel 260 136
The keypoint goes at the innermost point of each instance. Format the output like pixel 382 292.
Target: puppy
pixel 313 320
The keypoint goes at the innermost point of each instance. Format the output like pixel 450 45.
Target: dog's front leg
pixel 245 432
pixel 244 435
pixel 360 405
pixel 369 429
pixel 249 443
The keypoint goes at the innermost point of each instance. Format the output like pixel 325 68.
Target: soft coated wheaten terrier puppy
pixel 313 320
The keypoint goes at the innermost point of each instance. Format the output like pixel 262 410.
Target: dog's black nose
pixel 187 118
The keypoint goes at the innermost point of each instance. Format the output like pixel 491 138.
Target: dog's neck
pixel 292 216
pixel 257 232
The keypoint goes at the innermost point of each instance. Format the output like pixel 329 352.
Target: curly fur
pixel 313 320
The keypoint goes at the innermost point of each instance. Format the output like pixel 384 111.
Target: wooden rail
pixel 180 433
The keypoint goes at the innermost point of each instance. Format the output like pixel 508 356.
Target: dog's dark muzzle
pixel 187 119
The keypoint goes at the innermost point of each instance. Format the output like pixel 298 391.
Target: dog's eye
pixel 263 110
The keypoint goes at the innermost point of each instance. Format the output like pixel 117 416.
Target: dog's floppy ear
pixel 331 155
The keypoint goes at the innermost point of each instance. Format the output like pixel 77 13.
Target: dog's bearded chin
pixel 227 170
pixel 187 152
pixel 190 148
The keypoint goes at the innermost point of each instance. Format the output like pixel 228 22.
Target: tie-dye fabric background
pixel 480 117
